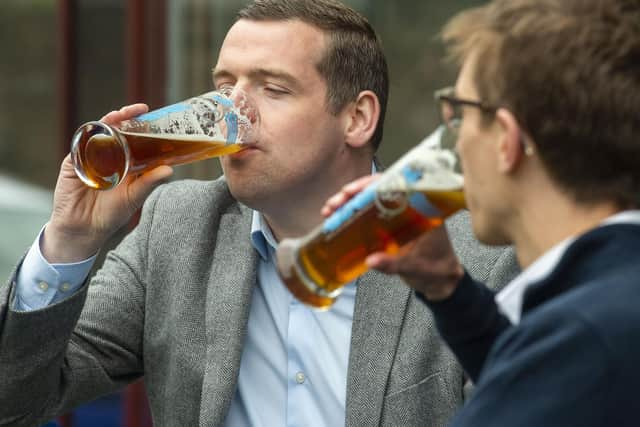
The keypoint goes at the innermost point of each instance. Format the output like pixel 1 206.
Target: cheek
pixel 470 148
pixel 462 147
pixel 280 124
pixel 470 167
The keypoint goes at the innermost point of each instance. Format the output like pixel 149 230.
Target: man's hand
pixel 427 264
pixel 83 218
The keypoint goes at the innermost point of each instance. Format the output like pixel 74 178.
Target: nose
pixel 238 94
pixel 244 103
pixel 242 111
pixel 241 86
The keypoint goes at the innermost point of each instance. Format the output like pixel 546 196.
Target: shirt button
pixel 300 377
pixel 65 287
pixel 43 286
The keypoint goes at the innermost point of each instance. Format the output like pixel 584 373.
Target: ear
pixel 510 153
pixel 361 119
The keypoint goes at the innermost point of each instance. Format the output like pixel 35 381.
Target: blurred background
pixel 65 62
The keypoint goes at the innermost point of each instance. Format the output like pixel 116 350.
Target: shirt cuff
pixel 39 284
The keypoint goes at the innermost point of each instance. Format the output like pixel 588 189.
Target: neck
pixel 549 217
pixel 298 212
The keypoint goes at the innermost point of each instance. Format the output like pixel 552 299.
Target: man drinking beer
pixel 546 115
pixel 191 299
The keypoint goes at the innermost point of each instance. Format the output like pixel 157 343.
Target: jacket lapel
pixel 231 283
pixel 381 302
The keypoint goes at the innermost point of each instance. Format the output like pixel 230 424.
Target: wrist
pixel 444 289
pixel 62 247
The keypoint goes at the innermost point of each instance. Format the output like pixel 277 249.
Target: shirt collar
pixel 509 300
pixel 261 236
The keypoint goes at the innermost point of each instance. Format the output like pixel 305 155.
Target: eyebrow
pixel 259 74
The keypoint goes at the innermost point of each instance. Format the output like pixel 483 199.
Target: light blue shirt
pixel 293 370
pixel 40 284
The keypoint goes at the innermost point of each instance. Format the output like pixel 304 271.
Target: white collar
pixel 509 300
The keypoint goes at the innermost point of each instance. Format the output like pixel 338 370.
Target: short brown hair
pixel 569 70
pixel 354 60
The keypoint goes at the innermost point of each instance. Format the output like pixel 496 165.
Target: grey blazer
pixel 171 304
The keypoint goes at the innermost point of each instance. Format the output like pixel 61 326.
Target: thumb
pixel 142 186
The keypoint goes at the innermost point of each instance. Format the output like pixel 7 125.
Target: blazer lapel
pixel 231 283
pixel 381 302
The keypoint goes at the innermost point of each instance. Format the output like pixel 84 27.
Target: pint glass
pixel 412 197
pixel 209 125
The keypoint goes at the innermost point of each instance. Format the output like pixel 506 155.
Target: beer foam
pixel 178 137
pixel 424 168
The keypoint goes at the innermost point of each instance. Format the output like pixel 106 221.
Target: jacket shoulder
pixel 185 193
pixel 190 204
pixel 494 266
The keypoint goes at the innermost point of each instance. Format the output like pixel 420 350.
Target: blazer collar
pixel 231 283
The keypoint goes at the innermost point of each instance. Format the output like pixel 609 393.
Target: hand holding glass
pixel 209 125
pixel 414 196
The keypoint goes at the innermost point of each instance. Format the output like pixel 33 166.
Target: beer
pixel 105 158
pixel 210 125
pixel 413 197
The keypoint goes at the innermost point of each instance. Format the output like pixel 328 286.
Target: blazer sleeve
pixel 74 351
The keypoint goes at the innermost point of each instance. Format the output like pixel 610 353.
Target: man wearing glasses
pixel 546 116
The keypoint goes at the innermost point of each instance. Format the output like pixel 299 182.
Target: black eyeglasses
pixel 450 108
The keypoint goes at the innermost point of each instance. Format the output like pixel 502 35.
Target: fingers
pixel 125 113
pixel 382 262
pixel 402 263
pixel 140 188
pixel 67 163
pixel 346 193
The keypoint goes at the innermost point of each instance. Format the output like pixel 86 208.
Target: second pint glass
pixel 415 195
pixel 209 125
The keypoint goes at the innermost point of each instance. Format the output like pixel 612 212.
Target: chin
pixel 488 232
pixel 239 191
pixel 247 193
pixel 492 239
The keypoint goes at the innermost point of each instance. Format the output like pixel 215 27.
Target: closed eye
pixel 275 90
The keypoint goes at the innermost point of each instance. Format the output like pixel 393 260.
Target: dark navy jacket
pixel 574 358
